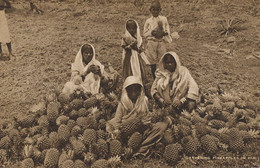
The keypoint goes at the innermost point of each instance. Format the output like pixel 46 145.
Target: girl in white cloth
pixel 133 56
pixel 174 84
pixel 86 72
pixel 4 31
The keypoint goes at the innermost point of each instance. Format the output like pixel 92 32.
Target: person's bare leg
pixel 1 51
pixel 9 46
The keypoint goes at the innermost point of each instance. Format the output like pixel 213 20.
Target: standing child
pixel 133 63
pixel 4 32
pixel 157 34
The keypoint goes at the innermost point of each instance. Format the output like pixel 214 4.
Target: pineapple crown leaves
pixel 186 114
pixel 115 161
pixel 254 133
pixel 223 130
pixel 28 151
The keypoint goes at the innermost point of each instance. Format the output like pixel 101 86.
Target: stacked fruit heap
pixel 70 132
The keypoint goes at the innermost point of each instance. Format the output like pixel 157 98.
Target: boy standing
pixel 157 33
pixel 4 32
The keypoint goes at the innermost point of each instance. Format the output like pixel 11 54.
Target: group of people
pixel 173 84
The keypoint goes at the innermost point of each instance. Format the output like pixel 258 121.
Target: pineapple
pixel 89 136
pixel 43 121
pixel 62 120
pixel 64 99
pixel 3 156
pixel 82 112
pixel 76 104
pixel 82 122
pixel 54 140
pixel 79 164
pixel 67 164
pixel 53 111
pixel 201 129
pixel 135 140
pixel 63 157
pixel 35 130
pixel 78 147
pixel 102 148
pixel 115 148
pixel 197 119
pixel 90 102
pixel 190 145
pixel 64 133
pixel 71 123
pixel 185 121
pixel 241 104
pixel 115 162
pixel 101 134
pixel 76 130
pixel 217 124
pixel 43 142
pixel 209 145
pixel 229 106
pixel 27 163
pixel 89 158
pixel 101 163
pixel 130 126
pixel 51 158
pixel 172 153
pixel 236 145
pixel 74 114
pixel 27 121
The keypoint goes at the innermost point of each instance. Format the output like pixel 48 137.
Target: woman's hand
pixel 176 103
pixel 191 105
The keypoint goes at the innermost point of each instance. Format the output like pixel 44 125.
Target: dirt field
pixel 45 45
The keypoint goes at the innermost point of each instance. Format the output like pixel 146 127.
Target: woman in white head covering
pixel 133 55
pixel 86 72
pixel 133 103
pixel 174 84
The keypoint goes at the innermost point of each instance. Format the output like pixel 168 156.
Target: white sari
pixel 91 82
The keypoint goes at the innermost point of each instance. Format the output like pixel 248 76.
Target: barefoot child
pixel 174 84
pixel 133 55
pixel 4 32
pixel 157 34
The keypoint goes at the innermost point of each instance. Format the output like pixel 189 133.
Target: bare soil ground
pixel 45 45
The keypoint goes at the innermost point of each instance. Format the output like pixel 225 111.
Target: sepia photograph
pixel 129 83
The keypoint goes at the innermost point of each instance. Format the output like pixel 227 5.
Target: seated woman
pixel 174 84
pixel 87 73
pixel 134 105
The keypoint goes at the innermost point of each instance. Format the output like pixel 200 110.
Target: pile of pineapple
pixel 223 123
pixel 69 132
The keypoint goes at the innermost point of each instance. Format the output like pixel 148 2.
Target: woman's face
pixel 87 54
pixel 169 63
pixel 131 27
pixel 133 91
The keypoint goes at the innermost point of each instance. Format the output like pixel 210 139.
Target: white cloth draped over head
pixel 183 85
pixel 92 81
pixel 127 109
pixel 4 31
pixel 134 60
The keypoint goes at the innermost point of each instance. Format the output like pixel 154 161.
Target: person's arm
pixel 147 31
pixel 116 121
pixel 155 94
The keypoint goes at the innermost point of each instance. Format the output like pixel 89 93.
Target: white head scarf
pixel 141 105
pixel 135 65
pixel 164 75
pixel 78 65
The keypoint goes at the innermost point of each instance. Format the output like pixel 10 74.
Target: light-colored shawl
pixel 128 110
pixel 134 60
pixel 92 81
pixel 183 83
